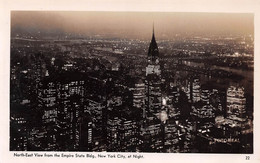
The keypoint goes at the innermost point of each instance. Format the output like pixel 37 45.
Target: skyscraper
pixel 236 102
pixel 153 130
pixel 153 79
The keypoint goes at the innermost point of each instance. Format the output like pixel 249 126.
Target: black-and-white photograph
pixel 146 82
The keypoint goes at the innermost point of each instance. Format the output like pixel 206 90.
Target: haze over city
pixel 131 25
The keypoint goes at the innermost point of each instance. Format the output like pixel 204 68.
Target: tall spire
pixel 153 28
pixel 153 48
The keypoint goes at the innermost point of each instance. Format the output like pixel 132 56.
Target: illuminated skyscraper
pixel 153 130
pixel 196 90
pixel 153 79
pixel 236 101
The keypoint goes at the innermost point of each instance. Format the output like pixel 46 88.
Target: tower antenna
pixel 153 27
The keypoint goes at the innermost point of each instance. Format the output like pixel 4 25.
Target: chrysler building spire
pixel 153 51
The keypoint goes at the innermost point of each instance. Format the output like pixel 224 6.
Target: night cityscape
pixel 174 93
